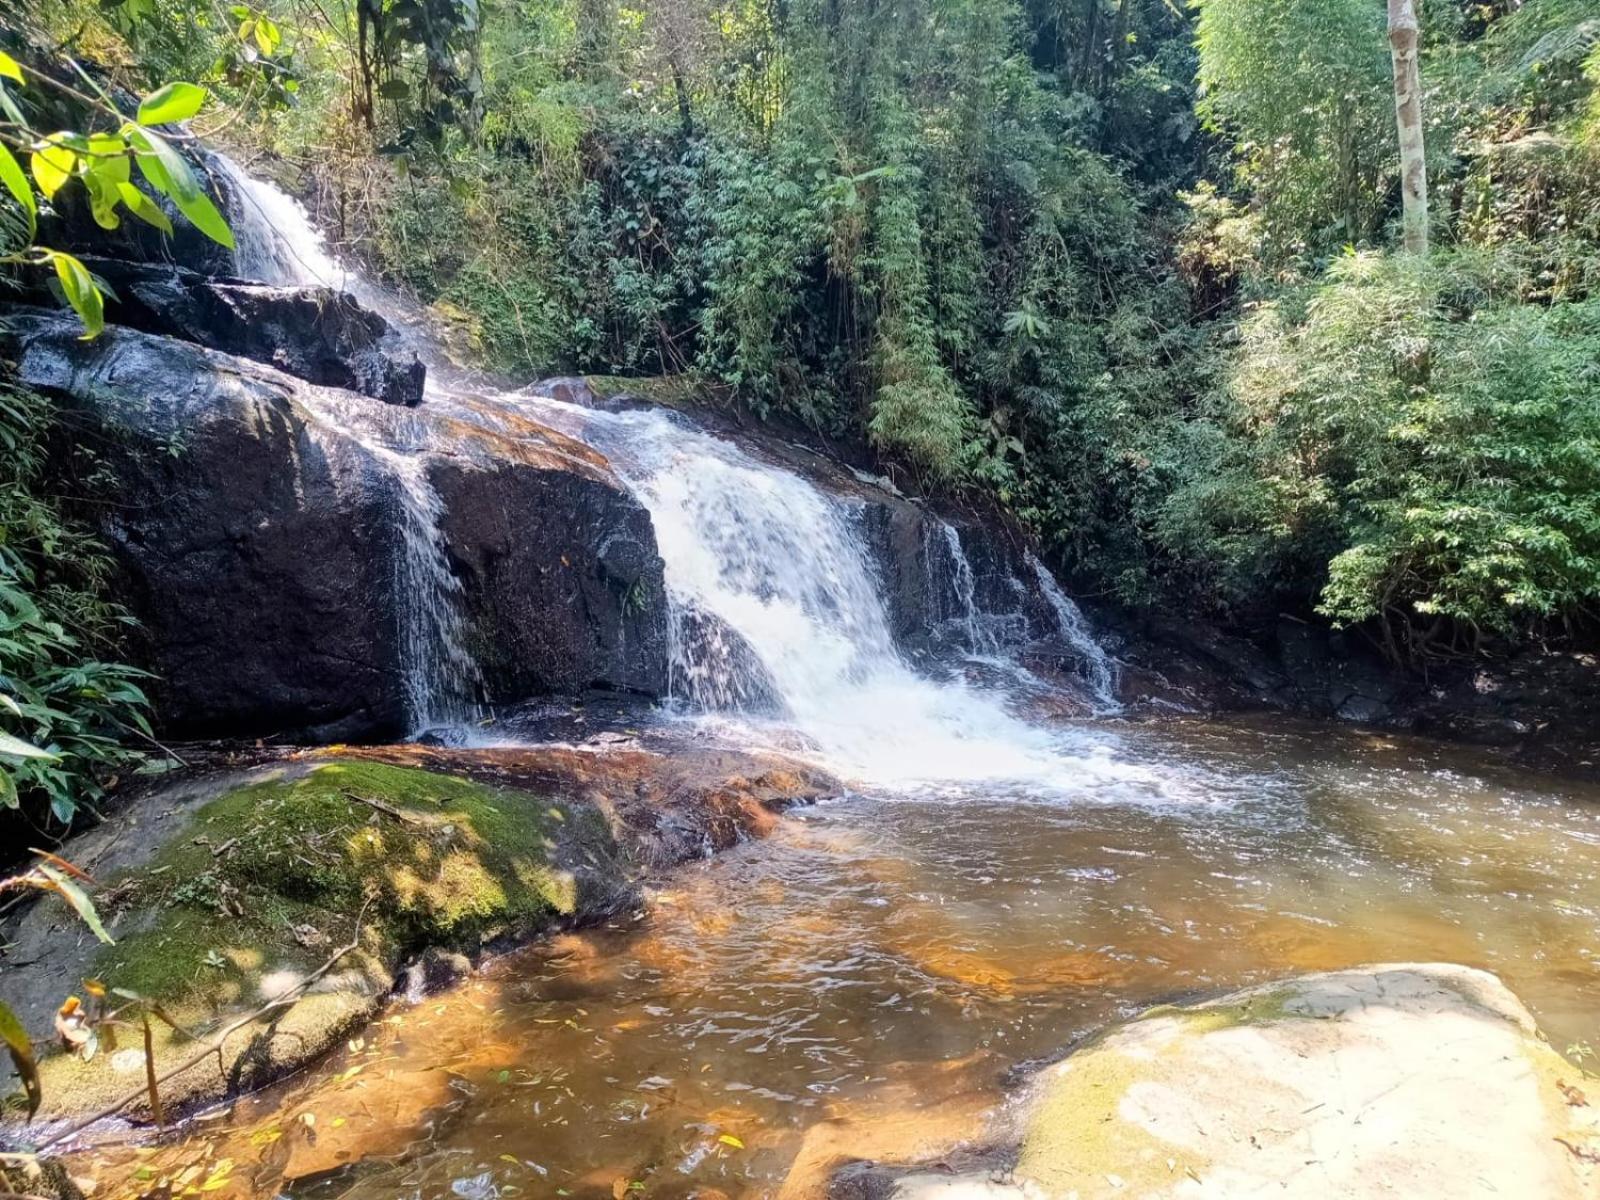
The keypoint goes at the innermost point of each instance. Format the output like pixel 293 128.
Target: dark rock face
pixel 258 525
pixel 253 548
pixel 313 333
pixel 563 583
pixel 70 227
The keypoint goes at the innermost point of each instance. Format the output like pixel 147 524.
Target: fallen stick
pixel 387 810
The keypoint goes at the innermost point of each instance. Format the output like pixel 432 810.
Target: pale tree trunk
pixel 1408 116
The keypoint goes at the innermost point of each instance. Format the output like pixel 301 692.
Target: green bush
pixel 63 711
pixel 1421 431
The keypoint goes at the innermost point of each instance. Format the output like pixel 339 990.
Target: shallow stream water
pixel 869 980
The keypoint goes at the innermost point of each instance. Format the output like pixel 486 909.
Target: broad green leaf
pixel 9 68
pixel 81 292
pixel 103 200
pixel 17 748
pixel 53 164
pixel 175 102
pixel 169 173
pixel 74 895
pixel 267 36
pixel 8 790
pixel 108 157
pixel 146 209
pixel 16 1040
pixel 17 184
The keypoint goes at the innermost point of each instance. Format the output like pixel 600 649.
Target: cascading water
pixel 278 244
pixel 785 570
pixel 976 634
pixel 1098 669
pixel 775 606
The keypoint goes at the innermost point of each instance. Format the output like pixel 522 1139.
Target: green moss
pixel 270 877
pixel 673 391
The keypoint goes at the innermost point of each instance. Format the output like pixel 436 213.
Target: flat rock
pixel 1415 1080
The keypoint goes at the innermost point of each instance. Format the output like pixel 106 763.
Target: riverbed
pixel 876 977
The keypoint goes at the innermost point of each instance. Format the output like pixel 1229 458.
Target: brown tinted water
pixel 871 976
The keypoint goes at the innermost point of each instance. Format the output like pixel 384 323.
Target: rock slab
pixel 1399 1080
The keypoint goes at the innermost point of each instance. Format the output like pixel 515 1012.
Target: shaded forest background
pixel 1126 268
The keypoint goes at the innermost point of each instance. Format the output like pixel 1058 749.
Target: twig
pixel 388 810
pixel 214 1046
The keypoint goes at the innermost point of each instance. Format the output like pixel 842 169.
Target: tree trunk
pixel 1408 116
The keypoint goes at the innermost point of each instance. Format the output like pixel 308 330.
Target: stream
pixel 876 971
pixel 1002 877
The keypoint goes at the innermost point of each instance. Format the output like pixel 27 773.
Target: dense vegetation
pixel 1127 268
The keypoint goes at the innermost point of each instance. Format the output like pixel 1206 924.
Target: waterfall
pixel 1098 669
pixel 776 613
pixel 277 244
pixel 785 571
pixel 976 633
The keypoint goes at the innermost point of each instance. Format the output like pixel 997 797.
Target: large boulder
pixel 263 526
pixel 1418 1080
pixel 558 564
pixel 313 333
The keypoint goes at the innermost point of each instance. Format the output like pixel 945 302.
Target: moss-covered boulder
pixel 310 882
pixel 1403 1080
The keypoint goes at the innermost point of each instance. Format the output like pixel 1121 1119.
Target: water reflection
pixel 863 982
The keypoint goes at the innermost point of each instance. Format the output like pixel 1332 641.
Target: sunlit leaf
pixel 174 102
pixel 17 184
pixel 85 298
pixel 21 1050
pixel 169 173
pixel 17 748
pixel 63 884
pixel 9 69
pixel 146 209
pixel 53 164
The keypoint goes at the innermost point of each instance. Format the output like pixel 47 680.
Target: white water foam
pixel 786 570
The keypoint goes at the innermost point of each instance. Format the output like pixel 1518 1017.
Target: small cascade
pixel 277 244
pixel 1097 668
pixel 274 238
pixel 977 636
pixel 775 593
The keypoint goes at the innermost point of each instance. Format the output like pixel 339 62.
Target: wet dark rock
pixel 259 539
pixel 69 226
pixel 433 971
pixel 255 551
pixel 313 333
pixel 563 582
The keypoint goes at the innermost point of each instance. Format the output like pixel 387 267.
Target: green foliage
pixel 1303 88
pixel 1414 441
pixel 63 711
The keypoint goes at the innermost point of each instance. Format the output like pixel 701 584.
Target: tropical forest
pixel 799 599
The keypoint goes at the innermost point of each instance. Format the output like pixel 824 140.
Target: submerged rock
pixel 1402 1080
